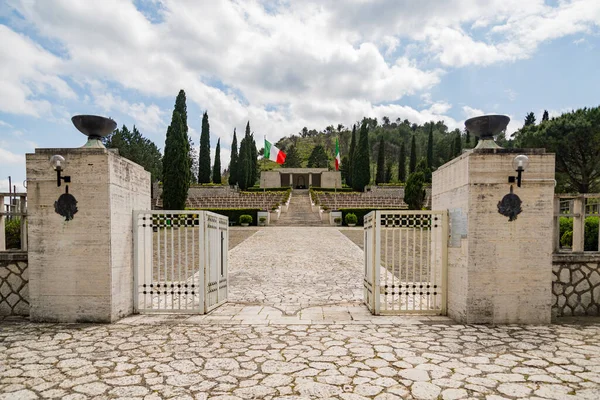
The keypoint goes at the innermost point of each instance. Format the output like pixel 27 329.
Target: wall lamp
pixel 57 162
pixel 520 164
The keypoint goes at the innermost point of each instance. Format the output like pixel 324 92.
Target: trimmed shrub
pixel 350 218
pixel 360 213
pixel 566 240
pixel 233 214
pixel 245 219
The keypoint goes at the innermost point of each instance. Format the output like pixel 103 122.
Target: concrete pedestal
pixel 498 271
pixel 82 270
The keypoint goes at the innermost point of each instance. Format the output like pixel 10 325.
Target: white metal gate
pixel 406 262
pixel 180 261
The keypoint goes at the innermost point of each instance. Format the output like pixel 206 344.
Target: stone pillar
pixel 82 270
pixel 309 179
pixel 291 180
pixel 499 271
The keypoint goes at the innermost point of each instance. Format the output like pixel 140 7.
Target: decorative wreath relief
pixel 66 205
pixel 510 205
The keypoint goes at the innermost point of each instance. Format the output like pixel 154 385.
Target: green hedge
pixel 12 230
pixel 273 189
pixel 591 233
pixel 234 213
pixel 360 213
pixel 339 190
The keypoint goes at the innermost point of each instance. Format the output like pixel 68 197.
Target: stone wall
pixel 14 284
pixel 576 285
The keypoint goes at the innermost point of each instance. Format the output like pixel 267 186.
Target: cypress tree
pixel 176 172
pixel 402 163
pixel 413 155
pixel 414 194
pixel 430 147
pixel 344 168
pixel 351 156
pixel 380 176
pixel 253 162
pixel 388 172
pixel 181 108
pixel 204 155
pixel 217 167
pixel 361 165
pixel 233 162
pixel 244 164
pixel 545 116
pixel 457 145
pixel 467 138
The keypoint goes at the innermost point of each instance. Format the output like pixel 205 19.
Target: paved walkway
pixel 186 361
pixel 297 331
pixel 294 268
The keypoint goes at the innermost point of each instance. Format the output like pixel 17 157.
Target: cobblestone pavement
pixel 347 361
pixel 296 329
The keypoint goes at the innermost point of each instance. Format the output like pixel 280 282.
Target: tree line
pixel 402 152
pixel 178 159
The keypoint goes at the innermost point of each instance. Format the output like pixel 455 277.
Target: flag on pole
pixel 273 153
pixel 337 155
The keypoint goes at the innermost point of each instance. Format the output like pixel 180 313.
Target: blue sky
pixel 283 65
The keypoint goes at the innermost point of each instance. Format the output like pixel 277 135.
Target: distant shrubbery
pixel 233 214
pixel 12 229
pixel 591 233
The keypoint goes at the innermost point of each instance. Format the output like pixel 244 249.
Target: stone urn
pixel 486 127
pixel 95 128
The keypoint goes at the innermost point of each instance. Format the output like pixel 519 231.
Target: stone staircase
pixel 299 212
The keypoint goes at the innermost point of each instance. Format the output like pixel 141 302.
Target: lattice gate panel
pixel 411 252
pixel 173 250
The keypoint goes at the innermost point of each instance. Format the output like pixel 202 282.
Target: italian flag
pixel 337 155
pixel 273 153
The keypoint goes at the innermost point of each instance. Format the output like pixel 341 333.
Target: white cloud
pixel 148 118
pixel 6 124
pixel 471 112
pixel 11 158
pixel 26 72
pixel 440 108
pixel 295 64
pixel 4 187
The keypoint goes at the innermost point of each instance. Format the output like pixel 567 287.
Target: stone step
pixel 299 212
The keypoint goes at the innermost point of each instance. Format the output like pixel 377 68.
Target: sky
pixel 284 65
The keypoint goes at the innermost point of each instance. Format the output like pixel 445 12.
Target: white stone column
pixel 82 270
pixel 309 179
pixel 499 271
